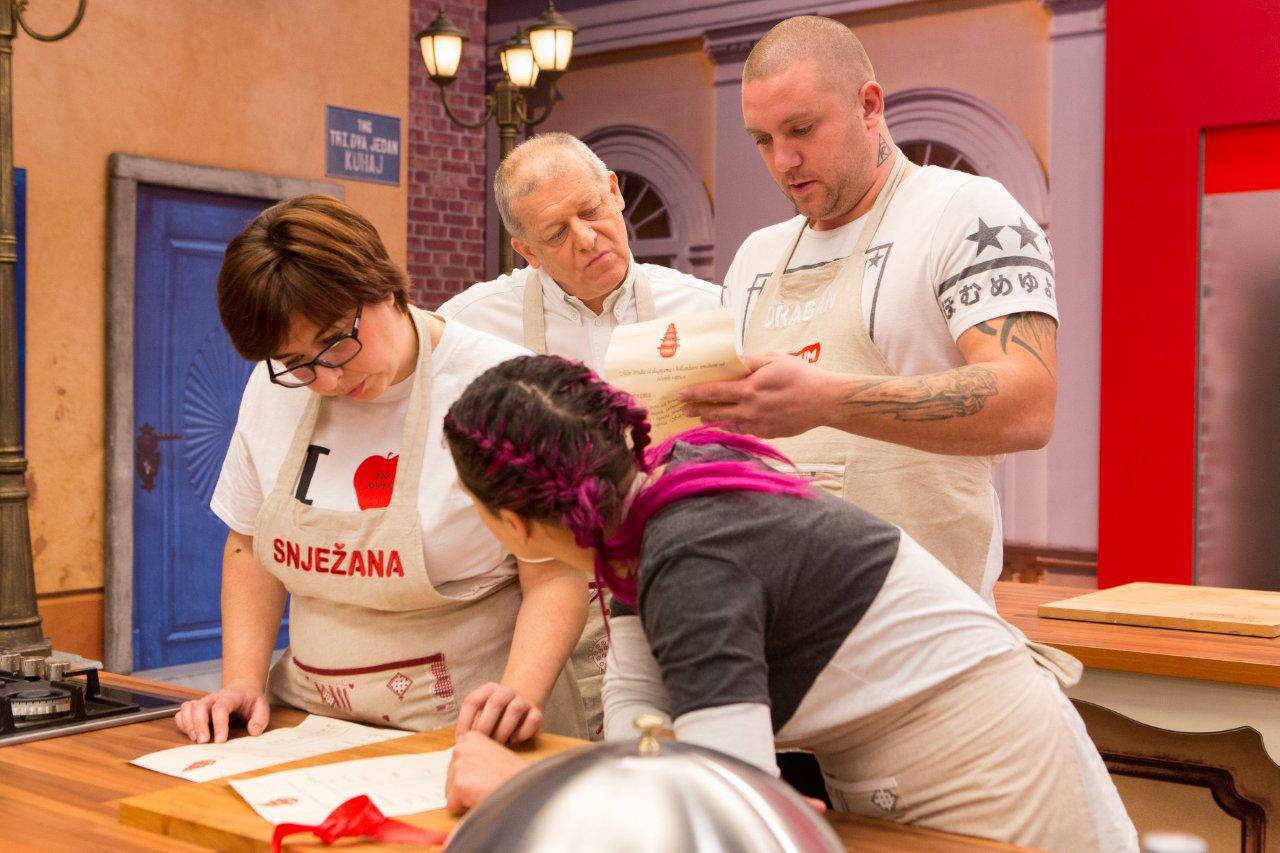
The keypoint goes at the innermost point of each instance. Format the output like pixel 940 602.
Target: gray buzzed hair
pixel 547 155
pixel 829 44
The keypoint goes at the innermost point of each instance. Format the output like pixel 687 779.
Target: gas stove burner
pixel 36 700
pixel 42 697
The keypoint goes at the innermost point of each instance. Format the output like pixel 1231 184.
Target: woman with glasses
pixel 339 493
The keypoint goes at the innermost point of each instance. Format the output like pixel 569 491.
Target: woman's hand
pixel 479 767
pixel 499 712
pixel 245 701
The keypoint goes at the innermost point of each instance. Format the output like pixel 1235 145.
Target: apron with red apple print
pixel 370 637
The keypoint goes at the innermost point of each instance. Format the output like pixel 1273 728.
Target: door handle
pixel 146 457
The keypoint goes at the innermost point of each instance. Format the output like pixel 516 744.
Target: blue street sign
pixel 362 146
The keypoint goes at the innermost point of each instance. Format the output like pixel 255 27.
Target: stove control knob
pixel 32 667
pixel 10 662
pixel 56 670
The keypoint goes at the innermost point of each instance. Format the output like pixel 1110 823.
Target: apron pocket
pixel 825 476
pixel 872 798
pixel 403 694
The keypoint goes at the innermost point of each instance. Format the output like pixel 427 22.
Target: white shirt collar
pixel 557 300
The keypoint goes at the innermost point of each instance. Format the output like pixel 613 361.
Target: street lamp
pixel 542 51
pixel 19 618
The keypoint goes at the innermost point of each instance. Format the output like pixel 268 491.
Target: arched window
pixel 939 127
pixel 648 221
pixel 928 153
pixel 668 213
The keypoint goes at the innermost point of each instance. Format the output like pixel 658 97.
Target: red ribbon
pixel 360 818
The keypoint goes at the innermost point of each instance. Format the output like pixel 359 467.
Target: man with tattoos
pixel 901 328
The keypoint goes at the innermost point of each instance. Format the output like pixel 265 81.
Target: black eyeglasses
pixel 336 354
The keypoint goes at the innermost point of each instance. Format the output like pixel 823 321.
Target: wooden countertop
pixel 63 793
pixel 1150 651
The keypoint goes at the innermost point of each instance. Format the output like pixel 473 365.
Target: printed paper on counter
pixel 655 360
pixel 397 784
pixel 200 762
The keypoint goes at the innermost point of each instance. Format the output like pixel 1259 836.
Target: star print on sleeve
pixel 1026 236
pixel 986 236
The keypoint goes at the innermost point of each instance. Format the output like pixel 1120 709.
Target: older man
pixel 563 208
pixel 918 303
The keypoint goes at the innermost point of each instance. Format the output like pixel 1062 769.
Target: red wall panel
pixel 1174 69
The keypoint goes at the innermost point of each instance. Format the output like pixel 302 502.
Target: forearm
pixel 252 604
pixel 550 621
pixel 743 730
pixel 976 409
pixel 632 681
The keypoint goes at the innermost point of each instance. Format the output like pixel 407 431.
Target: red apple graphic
pixel 374 479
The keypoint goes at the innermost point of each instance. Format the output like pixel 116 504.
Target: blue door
pixel 187 386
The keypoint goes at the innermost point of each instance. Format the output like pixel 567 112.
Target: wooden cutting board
pixel 213 815
pixel 1245 612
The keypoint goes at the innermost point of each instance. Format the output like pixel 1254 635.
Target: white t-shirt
pixel 354 452
pixel 953 251
pixel 574 330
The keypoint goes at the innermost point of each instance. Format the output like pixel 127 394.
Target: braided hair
pixel 548 439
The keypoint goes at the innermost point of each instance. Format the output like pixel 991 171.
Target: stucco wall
pixel 240 84
pixel 998 52
pixel 667 88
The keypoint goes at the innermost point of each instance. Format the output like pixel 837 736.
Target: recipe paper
pixel 397 784
pixel 653 361
pixel 200 762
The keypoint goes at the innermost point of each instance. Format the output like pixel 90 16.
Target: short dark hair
pixel 310 256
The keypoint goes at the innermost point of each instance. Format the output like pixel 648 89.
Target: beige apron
pixel 370 637
pixel 1020 770
pixel 588 660
pixel 947 503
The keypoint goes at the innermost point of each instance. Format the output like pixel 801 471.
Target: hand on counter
pixel 478 768
pixel 499 712
pixel 196 717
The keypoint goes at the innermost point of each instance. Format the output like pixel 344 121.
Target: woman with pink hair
pixel 756 614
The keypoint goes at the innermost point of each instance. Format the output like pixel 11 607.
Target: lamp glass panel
pixel 543 42
pixel 448 55
pixel 564 48
pixel 520 67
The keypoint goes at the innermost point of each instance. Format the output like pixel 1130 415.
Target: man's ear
pixel 516 524
pixel 871 102
pixel 616 191
pixel 525 251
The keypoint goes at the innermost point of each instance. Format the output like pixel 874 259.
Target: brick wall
pixel 446 162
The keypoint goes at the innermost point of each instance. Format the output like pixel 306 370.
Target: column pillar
pixel 1076 150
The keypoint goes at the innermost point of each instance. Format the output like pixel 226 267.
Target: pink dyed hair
pixel 547 439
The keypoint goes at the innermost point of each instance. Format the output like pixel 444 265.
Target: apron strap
pixel 413 443
pixel 294 457
pixel 643 295
pixel 869 228
pixel 535 316
pixel 876 214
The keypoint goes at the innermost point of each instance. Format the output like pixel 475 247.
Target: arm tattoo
pixel 954 394
pixel 1031 330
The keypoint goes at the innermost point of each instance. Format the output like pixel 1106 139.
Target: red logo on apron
pixel 809 353
pixel 400 684
pixel 374 480
pixel 444 684
pixel 670 342
pixel 334 695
